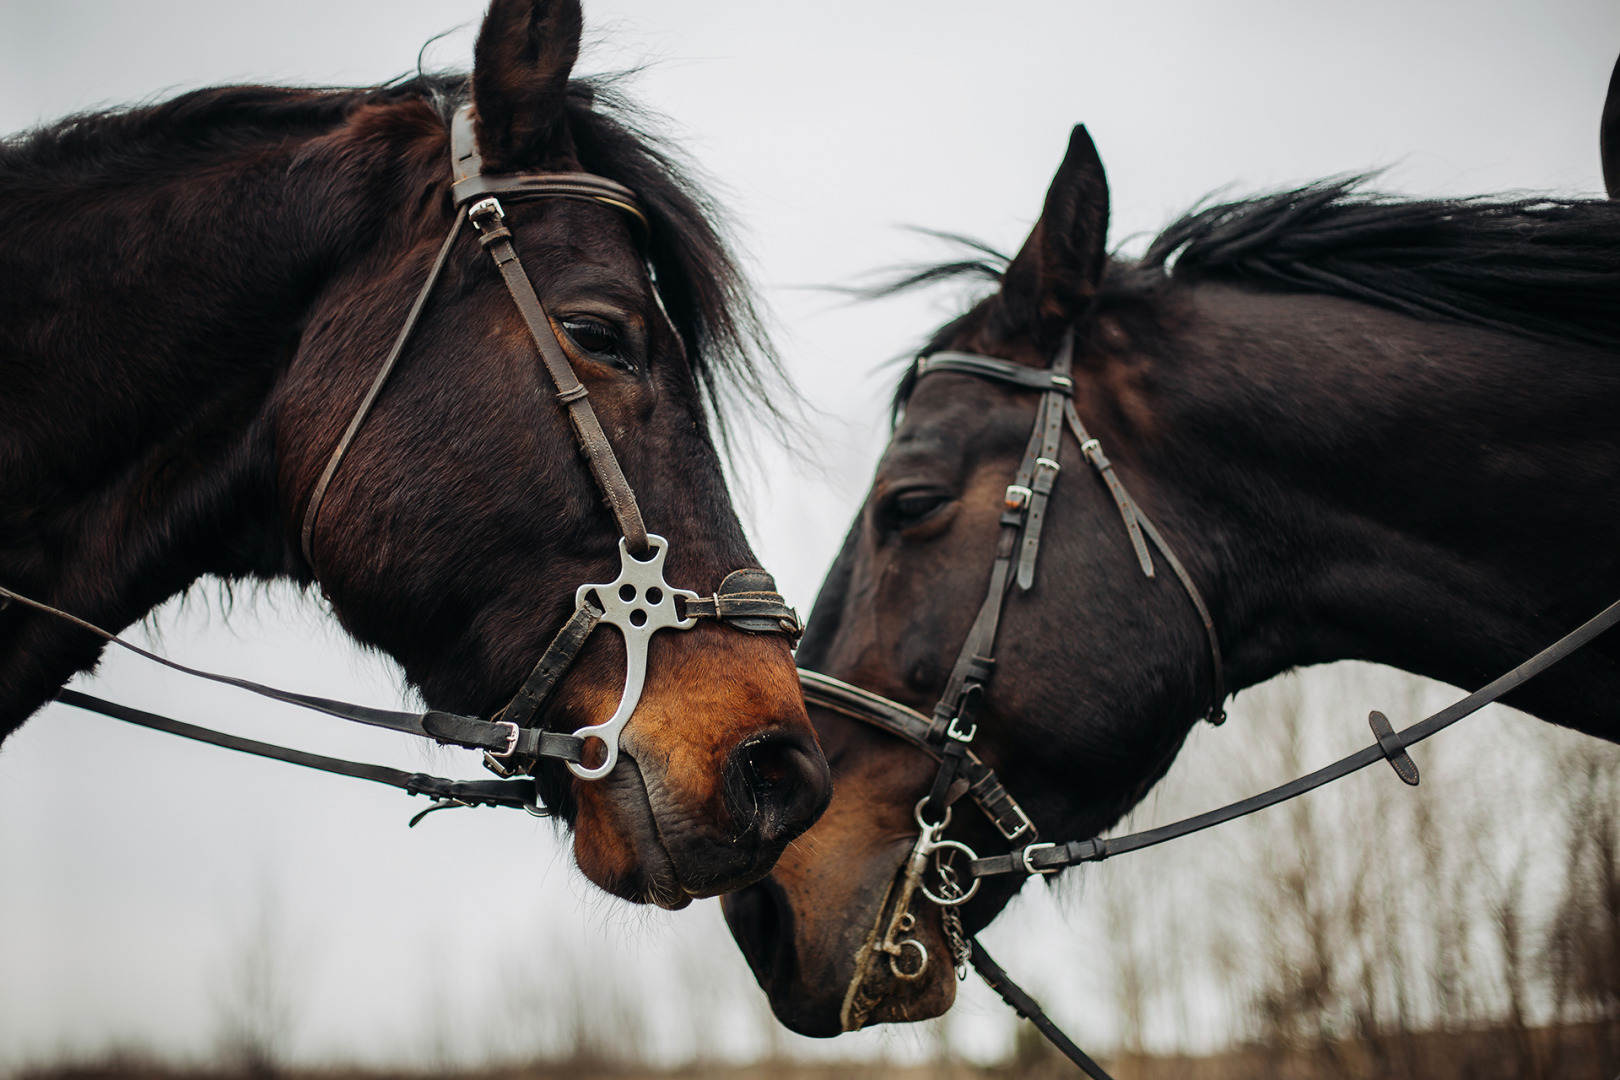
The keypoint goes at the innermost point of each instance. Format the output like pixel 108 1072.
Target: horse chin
pixel 617 843
pixel 885 989
pixel 821 965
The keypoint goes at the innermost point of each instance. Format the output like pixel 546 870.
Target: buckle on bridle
pixel 1030 868
pixel 1018 496
pixel 485 207
pixel 511 739
pixel 956 733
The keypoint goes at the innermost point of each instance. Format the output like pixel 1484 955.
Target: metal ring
pixel 955 845
pixel 1029 867
pixel 922 964
pixel 923 824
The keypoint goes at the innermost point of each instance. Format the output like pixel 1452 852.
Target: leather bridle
pixel 639 602
pixel 948 733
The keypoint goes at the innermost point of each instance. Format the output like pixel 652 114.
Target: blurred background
pixel 167 901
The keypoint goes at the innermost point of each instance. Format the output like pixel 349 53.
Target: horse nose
pixel 778 785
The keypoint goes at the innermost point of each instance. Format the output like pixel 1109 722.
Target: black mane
pixel 1542 268
pixel 699 280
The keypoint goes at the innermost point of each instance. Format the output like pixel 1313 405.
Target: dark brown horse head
pixel 1307 393
pixel 243 269
pixel 897 606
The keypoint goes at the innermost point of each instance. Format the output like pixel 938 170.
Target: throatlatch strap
pixel 312 508
pixel 1122 499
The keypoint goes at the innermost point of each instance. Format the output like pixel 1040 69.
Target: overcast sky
pixel 131 862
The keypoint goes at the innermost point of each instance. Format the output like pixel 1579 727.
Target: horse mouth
pixel 897 977
pixel 639 866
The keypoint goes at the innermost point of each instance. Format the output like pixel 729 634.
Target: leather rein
pixel 947 734
pixel 639 602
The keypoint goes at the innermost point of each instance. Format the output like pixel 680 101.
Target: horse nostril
pixel 768 765
pixel 778 785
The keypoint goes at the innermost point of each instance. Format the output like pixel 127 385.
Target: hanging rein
pixel 948 734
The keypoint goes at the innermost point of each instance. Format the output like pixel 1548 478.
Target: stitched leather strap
pixel 747 599
pixel 537 688
pixel 488 218
pixel 995 976
pixel 1404 766
pixel 1098 848
pixel 1049 426
pixel 516 793
pixel 467 731
pixel 983 785
pixel 987 367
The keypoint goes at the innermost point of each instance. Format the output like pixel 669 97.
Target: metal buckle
pixel 1029 867
pixel 1062 380
pixel 487 205
pixel 956 733
pixel 1025 825
pixel 1048 463
pixel 511 739
pixel 1018 496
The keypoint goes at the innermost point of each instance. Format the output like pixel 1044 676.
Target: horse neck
pixel 1364 485
pixel 151 306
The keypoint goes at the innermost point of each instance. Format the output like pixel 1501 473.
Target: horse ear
pixel 1057 272
pixel 525 52
pixel 1609 136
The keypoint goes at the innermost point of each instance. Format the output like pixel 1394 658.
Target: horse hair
pixel 1539 267
pixel 699 280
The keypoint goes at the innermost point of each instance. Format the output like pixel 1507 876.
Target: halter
pixel 948 733
pixel 639 602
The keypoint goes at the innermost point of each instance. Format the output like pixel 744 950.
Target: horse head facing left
pixel 201 293
pixel 1371 428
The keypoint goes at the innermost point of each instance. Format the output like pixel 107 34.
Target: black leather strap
pixel 1049 428
pixel 747 599
pixel 532 695
pixel 515 793
pixel 995 976
pixel 1093 451
pixel 467 731
pixel 312 508
pixel 1405 767
pixel 987 367
pixel 983 785
pixel 1098 848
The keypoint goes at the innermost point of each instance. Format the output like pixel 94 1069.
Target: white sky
pixel 130 862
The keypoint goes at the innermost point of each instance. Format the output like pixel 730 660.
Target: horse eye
pixel 909 507
pixel 595 336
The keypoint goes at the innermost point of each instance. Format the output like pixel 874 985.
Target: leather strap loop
pixel 1391 745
